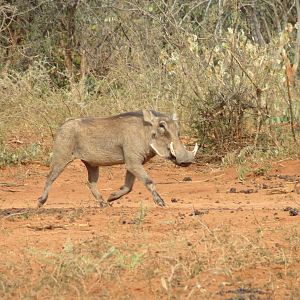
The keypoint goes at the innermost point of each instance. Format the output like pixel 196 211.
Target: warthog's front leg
pixel 138 171
pixel 125 189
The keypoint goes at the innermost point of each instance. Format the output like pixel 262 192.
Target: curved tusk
pixel 172 149
pixel 195 149
pixel 155 150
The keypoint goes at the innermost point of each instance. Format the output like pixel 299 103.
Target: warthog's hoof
pixel 113 196
pixel 161 203
pixel 40 202
pixel 158 200
pixel 104 204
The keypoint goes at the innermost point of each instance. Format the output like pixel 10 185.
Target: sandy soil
pixel 247 243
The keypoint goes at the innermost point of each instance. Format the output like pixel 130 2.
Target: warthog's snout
pixel 181 156
pixel 131 138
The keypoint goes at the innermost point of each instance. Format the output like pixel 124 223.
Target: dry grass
pixel 215 98
pixel 194 261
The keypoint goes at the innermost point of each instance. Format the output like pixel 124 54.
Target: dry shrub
pixel 228 94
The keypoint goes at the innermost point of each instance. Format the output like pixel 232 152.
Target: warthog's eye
pixel 162 125
pixel 161 128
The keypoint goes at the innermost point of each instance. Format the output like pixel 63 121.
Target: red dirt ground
pixel 203 205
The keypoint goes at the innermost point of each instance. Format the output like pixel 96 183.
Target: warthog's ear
pixel 148 116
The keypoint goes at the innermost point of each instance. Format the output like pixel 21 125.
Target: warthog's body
pixel 129 138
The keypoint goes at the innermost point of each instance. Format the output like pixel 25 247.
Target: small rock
pixel 294 212
pixel 197 212
pixel 174 200
pixel 181 215
pixel 187 178
pixel 247 191
pixel 232 190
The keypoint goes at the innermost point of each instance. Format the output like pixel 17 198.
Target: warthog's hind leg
pixel 93 176
pixel 125 189
pixel 56 169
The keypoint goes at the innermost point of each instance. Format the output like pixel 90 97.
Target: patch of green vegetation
pixel 19 155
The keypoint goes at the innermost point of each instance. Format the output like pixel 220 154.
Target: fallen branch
pixel 10 184
pixel 10 190
pixel 16 214
pixel 193 181
pixel 46 227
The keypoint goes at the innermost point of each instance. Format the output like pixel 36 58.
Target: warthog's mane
pixel 138 114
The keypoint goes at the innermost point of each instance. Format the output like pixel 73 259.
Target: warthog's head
pixel 165 139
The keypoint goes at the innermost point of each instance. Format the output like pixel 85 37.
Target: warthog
pixel 130 138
